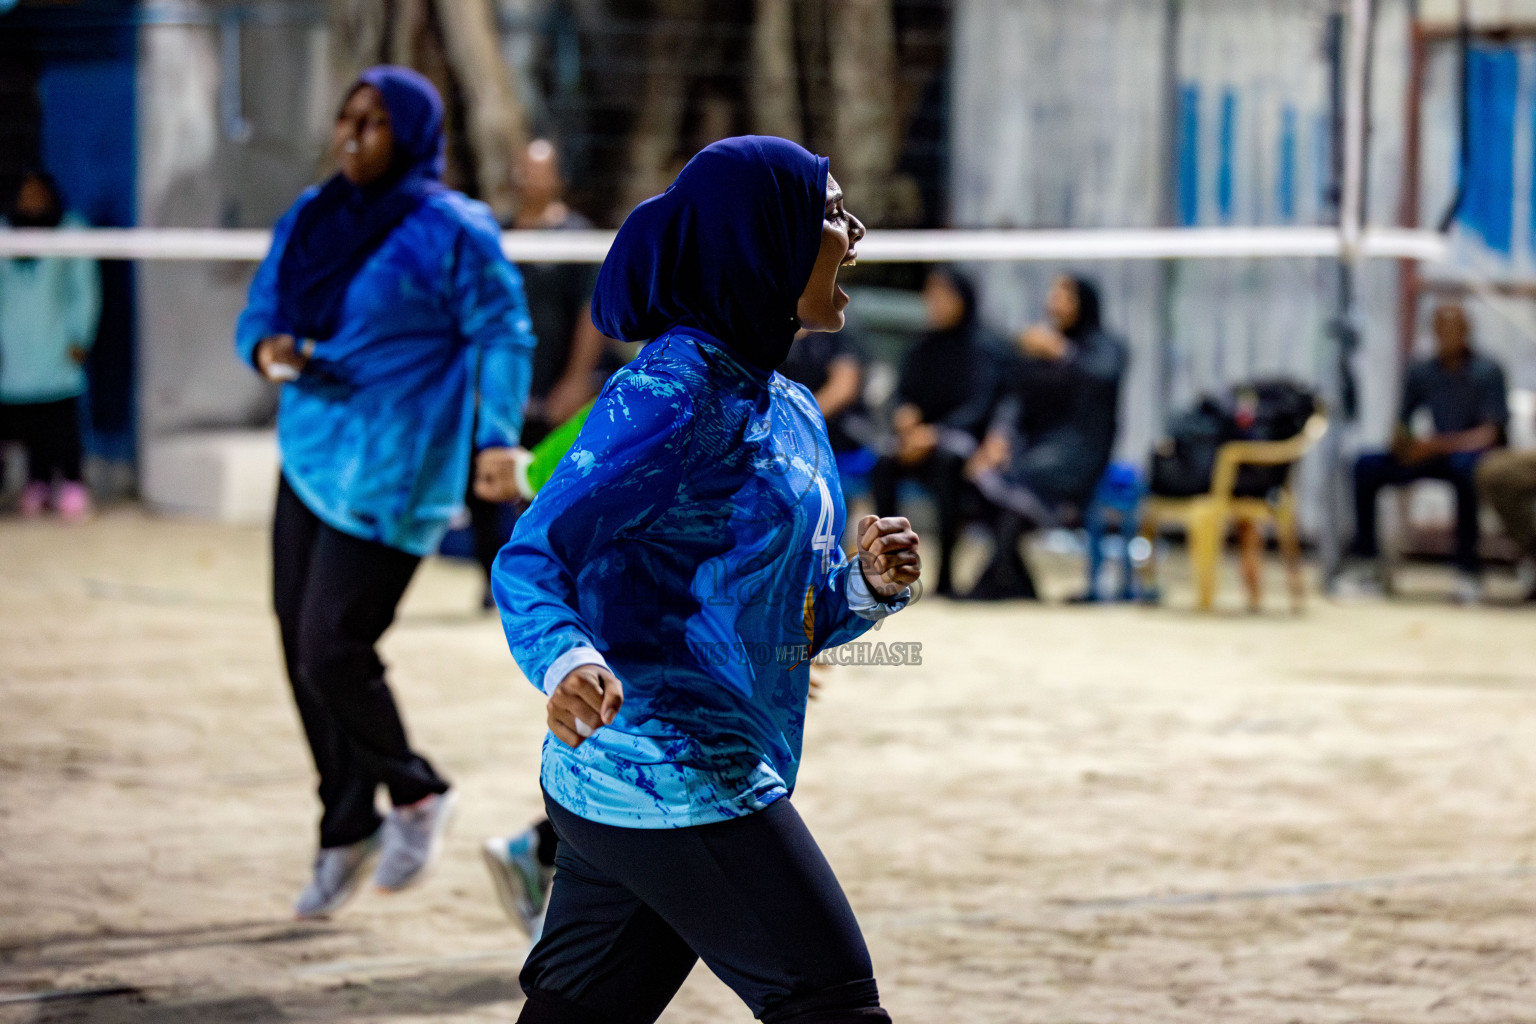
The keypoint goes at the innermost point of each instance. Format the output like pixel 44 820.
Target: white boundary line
pixel 879 247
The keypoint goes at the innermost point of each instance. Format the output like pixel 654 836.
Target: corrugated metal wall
pixel 1088 113
pixel 1129 113
pixel 1135 113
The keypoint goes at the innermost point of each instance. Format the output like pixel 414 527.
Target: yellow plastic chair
pixel 1206 517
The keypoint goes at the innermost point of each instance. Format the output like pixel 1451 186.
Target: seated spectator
pixel 1506 480
pixel 1052 433
pixel 49 308
pixel 1464 393
pixel 947 386
pixel 831 367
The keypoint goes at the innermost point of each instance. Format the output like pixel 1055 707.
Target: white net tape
pixel 880 246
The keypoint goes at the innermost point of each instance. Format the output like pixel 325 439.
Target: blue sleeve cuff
pixel 568 663
pixel 863 601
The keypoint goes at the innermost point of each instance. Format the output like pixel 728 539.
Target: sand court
pixel 1061 814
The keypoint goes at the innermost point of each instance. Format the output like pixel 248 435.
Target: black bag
pixel 1266 410
pixel 1183 462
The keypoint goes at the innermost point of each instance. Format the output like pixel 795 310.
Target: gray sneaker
pixel 522 882
pixel 337 872
pixel 413 837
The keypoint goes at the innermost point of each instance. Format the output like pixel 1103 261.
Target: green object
pixel 548 452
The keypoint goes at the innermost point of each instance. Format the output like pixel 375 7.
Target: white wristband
pixel 568 663
pixel 863 600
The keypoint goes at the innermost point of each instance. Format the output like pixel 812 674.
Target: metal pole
pixel 1354 55
pixel 1167 216
pixel 1408 283
pixel 1356 124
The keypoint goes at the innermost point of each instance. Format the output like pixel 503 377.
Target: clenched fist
pixel 586 700
pixel 888 555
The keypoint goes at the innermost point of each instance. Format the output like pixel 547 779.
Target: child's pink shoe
pixel 73 501
pixel 34 500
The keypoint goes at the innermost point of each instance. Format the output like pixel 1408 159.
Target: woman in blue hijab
pixel 402 333
pixel 667 590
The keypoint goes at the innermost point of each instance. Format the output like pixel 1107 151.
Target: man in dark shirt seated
pixel 1053 431
pixel 1465 395
pixel 945 393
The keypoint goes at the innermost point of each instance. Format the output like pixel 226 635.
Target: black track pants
pixel 335 595
pixel 753 897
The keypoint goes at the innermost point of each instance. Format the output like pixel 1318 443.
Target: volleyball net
pixel 1063 246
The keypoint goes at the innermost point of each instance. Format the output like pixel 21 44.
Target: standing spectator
pixel 945 393
pixel 387 304
pixel 560 310
pixel 559 300
pixel 1464 393
pixel 1053 431
pixel 49 307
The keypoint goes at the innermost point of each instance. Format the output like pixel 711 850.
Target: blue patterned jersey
pixel 689 541
pixel 431 363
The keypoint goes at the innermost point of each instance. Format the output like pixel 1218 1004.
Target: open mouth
pixel 852 259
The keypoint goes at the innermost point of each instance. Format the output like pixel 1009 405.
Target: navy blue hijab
pixel 1089 319
pixel 343 225
pixel 728 248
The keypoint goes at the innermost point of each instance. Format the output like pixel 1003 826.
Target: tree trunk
pixel 416 42
pixel 815 72
pixel 455 44
pixel 864 115
pixel 654 139
pixel 359 33
pixel 410 27
pixel 775 83
pixel 495 122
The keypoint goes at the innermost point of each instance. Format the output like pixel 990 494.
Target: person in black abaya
pixel 948 384
pixel 1052 432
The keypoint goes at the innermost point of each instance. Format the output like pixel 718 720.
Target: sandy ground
pixel 1064 814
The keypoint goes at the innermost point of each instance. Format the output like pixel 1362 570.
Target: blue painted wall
pixel 1189 155
pixel 1487 206
pixel 86 92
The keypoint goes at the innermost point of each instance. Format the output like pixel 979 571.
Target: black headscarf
pixel 965 329
pixel 1088 315
pixel 339 229
pixel 728 248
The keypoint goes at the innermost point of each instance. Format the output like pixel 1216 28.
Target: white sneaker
pixel 1358 585
pixel 413 837
pixel 1525 575
pixel 338 869
pixel 521 881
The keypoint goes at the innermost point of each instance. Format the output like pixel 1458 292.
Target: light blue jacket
pixel 47 307
pixel 378 432
pixel 689 541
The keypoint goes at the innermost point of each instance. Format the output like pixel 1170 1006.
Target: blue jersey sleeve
pixel 261 318
pixel 623 472
pixel 493 318
pixel 846 609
